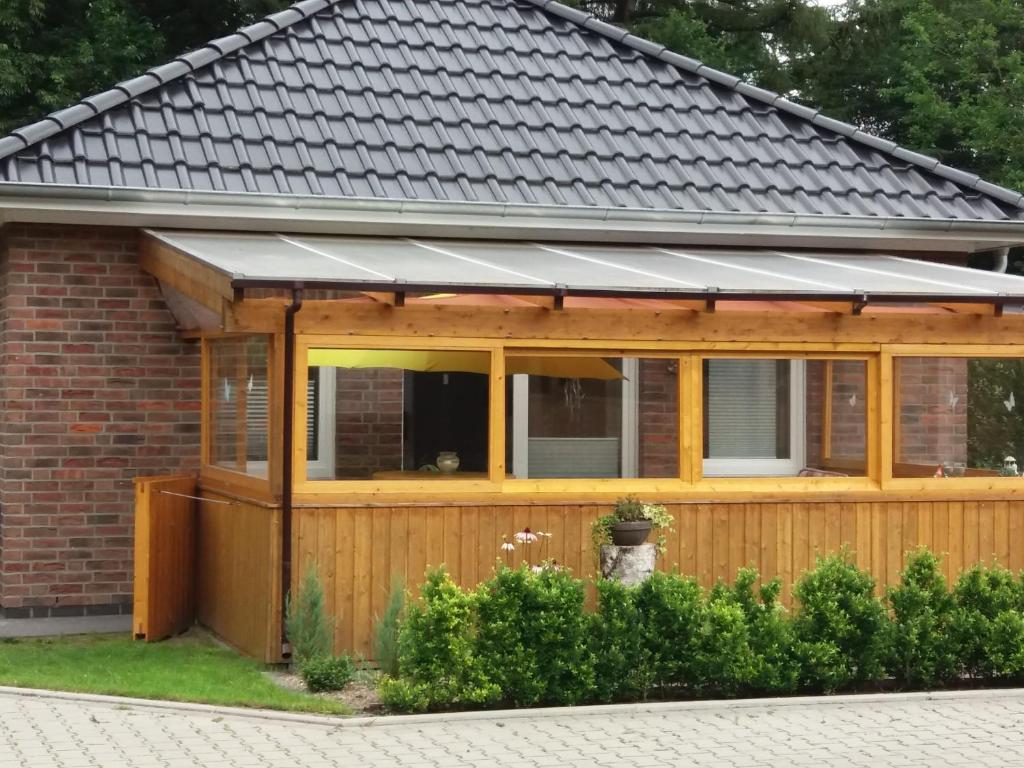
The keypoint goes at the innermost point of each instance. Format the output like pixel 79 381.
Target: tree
pixel 759 40
pixel 944 77
pixel 54 52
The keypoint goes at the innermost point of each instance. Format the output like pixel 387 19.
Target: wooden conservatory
pixel 782 403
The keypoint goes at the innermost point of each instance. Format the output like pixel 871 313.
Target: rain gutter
pixel 69 204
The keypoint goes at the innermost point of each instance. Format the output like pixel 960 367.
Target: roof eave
pixel 67 204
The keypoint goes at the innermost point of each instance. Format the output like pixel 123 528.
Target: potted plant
pixel 630 523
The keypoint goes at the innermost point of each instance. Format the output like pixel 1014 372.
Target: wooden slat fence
pixel 359 550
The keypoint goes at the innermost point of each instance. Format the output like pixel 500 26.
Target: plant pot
pixel 631 534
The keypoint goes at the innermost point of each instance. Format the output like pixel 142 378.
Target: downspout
pixel 287 460
pixel 1001 260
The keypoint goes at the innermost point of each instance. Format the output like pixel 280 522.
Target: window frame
pixel 690 480
pixel 890 408
pixel 258 486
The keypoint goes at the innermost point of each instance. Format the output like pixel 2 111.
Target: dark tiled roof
pixel 495 101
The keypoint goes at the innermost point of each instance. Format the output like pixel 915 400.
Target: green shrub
pixel 401 695
pixel 923 651
pixel 722 660
pixel 533 636
pixel 989 605
pixel 623 668
pixel 669 606
pixel 385 638
pixel 306 620
pixel 327 673
pixel 436 650
pixel 770 631
pixel 840 626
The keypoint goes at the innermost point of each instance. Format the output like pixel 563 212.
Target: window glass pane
pixel 398 414
pixel 239 415
pixel 958 416
pixel 785 417
pixel 584 416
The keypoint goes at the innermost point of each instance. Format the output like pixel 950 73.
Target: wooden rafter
pixel 185 274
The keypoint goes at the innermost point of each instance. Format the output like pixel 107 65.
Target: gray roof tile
pixel 507 101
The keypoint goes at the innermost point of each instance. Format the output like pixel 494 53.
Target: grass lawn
pixel 188 668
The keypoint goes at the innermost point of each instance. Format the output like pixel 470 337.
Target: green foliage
pixel 670 610
pixel 327 673
pixel 988 622
pixel 622 664
pixel 437 654
pixel 54 52
pixel 770 630
pixel 946 78
pixel 840 626
pixel 923 651
pixel 306 620
pixel 533 636
pixel 524 637
pixel 631 510
pixel 994 431
pixel 385 639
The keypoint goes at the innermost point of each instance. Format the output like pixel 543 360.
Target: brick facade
pixel 658 418
pixel 96 388
pixel 933 410
pixel 368 418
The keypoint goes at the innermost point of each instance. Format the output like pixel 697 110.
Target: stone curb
pixel 337 721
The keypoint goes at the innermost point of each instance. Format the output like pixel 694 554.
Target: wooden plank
pixel 496 419
pixel 1016 536
pixel 826 412
pixel 362 551
pixel 955 511
pixel 720 543
pixel 784 547
pixel 802 558
pixel 735 529
pixel 894 543
pixel 880 543
pixel 972 534
pixel 199 282
pixel 862 535
pixel 344 577
pixel 752 537
pixel 986 531
pixel 622 325
pixel 1001 534
pixel 326 537
pixel 940 534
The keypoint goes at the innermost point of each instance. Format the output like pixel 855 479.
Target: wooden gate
pixel 165 554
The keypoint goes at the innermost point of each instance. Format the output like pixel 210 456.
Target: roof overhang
pixel 55 204
pixel 214 267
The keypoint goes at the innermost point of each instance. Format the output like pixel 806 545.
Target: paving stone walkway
pixel 981 731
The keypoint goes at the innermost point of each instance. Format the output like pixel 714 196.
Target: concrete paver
pixel 977 729
pixel 73 625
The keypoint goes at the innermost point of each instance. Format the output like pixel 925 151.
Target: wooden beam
pixel 835 307
pixel 555 303
pixel 636 327
pixel 396 299
pixel 205 285
pixel 985 310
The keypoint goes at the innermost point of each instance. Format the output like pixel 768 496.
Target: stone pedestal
pixel 630 565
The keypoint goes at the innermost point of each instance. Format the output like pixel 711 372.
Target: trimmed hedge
pixel 523 638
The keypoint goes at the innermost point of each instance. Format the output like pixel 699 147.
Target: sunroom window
pixel 788 417
pixel 958 416
pixel 238 404
pixel 579 416
pixel 397 414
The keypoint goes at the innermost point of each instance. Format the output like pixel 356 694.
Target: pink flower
pixel 525 536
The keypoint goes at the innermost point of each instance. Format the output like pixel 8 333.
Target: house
pixel 286 272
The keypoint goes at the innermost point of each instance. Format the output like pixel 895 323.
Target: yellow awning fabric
pixel 431 361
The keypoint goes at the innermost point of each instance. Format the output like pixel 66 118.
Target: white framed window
pixel 754 417
pixel 612 452
pixel 321 385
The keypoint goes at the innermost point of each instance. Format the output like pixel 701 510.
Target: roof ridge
pixel 158 76
pixel 814 116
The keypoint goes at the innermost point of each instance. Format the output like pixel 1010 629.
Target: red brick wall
pixel 849 415
pixel 659 418
pixel 368 421
pixel 933 410
pixel 95 389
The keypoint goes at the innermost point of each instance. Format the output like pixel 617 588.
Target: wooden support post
pixel 826 413
pixel 496 433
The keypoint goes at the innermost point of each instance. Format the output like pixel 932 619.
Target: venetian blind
pixel 741 409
